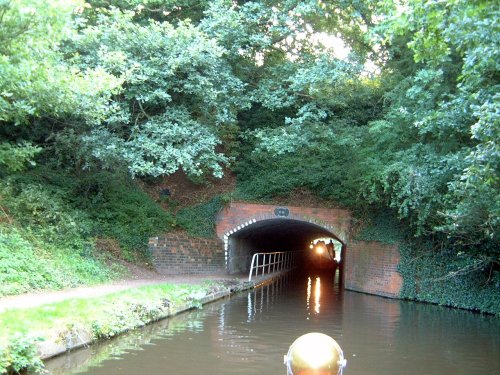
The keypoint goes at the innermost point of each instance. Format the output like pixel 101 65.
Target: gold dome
pixel 314 354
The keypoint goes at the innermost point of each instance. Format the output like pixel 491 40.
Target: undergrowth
pixel 449 277
pixel 44 243
pixel 28 262
pixel 262 177
pixel 19 355
pixel 446 275
pixel 119 209
pixel 199 221
pixel 50 222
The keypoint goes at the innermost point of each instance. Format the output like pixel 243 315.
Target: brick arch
pixel 334 232
pixel 239 215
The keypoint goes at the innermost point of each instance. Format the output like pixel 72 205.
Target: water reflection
pixel 85 359
pixel 259 299
pixel 317 294
pixel 308 295
pixel 249 334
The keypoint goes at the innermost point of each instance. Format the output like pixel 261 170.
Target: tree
pixel 37 86
pixel 448 111
pixel 178 91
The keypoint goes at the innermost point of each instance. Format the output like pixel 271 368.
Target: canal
pixel 250 332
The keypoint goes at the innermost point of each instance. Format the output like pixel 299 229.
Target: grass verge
pixel 25 331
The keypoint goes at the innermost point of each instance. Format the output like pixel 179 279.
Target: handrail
pixel 271 262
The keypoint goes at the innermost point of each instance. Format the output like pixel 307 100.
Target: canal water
pixel 249 334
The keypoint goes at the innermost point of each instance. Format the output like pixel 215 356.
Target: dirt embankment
pixel 178 191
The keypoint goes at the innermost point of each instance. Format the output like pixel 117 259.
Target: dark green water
pixel 249 334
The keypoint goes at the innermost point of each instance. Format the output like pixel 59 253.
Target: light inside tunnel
pixel 320 248
pixel 329 246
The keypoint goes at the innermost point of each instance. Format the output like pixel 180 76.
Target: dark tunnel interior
pixel 280 235
pixel 272 235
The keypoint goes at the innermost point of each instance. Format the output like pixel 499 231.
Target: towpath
pixel 43 297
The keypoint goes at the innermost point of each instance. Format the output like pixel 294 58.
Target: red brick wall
pixel 176 253
pixel 237 214
pixel 371 267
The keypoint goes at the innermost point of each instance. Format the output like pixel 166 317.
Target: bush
pixel 199 221
pixel 86 205
pixel 119 209
pixel 331 173
pixel 44 242
pixel 45 210
pixel 20 354
pixel 450 277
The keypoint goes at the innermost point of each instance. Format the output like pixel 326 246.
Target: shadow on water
pixel 250 332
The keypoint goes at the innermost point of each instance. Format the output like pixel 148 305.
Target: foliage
pixel 14 158
pixel 446 109
pixel 171 11
pixel 35 81
pixel 44 243
pixel 177 90
pixel 71 209
pixel 119 209
pixel 44 210
pixel 382 226
pixel 56 219
pixel 327 165
pixel 20 354
pixel 199 220
pixel 450 277
pixel 28 263
pixel 161 146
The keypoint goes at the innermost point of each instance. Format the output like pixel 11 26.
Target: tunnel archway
pixel 247 228
pixel 270 235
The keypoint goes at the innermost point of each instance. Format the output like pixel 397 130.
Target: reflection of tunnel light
pixel 308 297
pixel 317 295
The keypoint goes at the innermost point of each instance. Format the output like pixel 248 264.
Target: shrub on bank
pixel 119 209
pixel 450 278
pixel 44 242
pixel 199 221
pixel 50 220
pixel 29 263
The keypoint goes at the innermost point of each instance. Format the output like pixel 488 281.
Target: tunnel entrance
pixel 278 234
pixel 247 228
pixel 242 229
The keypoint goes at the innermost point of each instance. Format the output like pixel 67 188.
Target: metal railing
pixel 264 263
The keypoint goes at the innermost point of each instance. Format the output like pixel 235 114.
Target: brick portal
pixel 369 267
pixel 239 214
